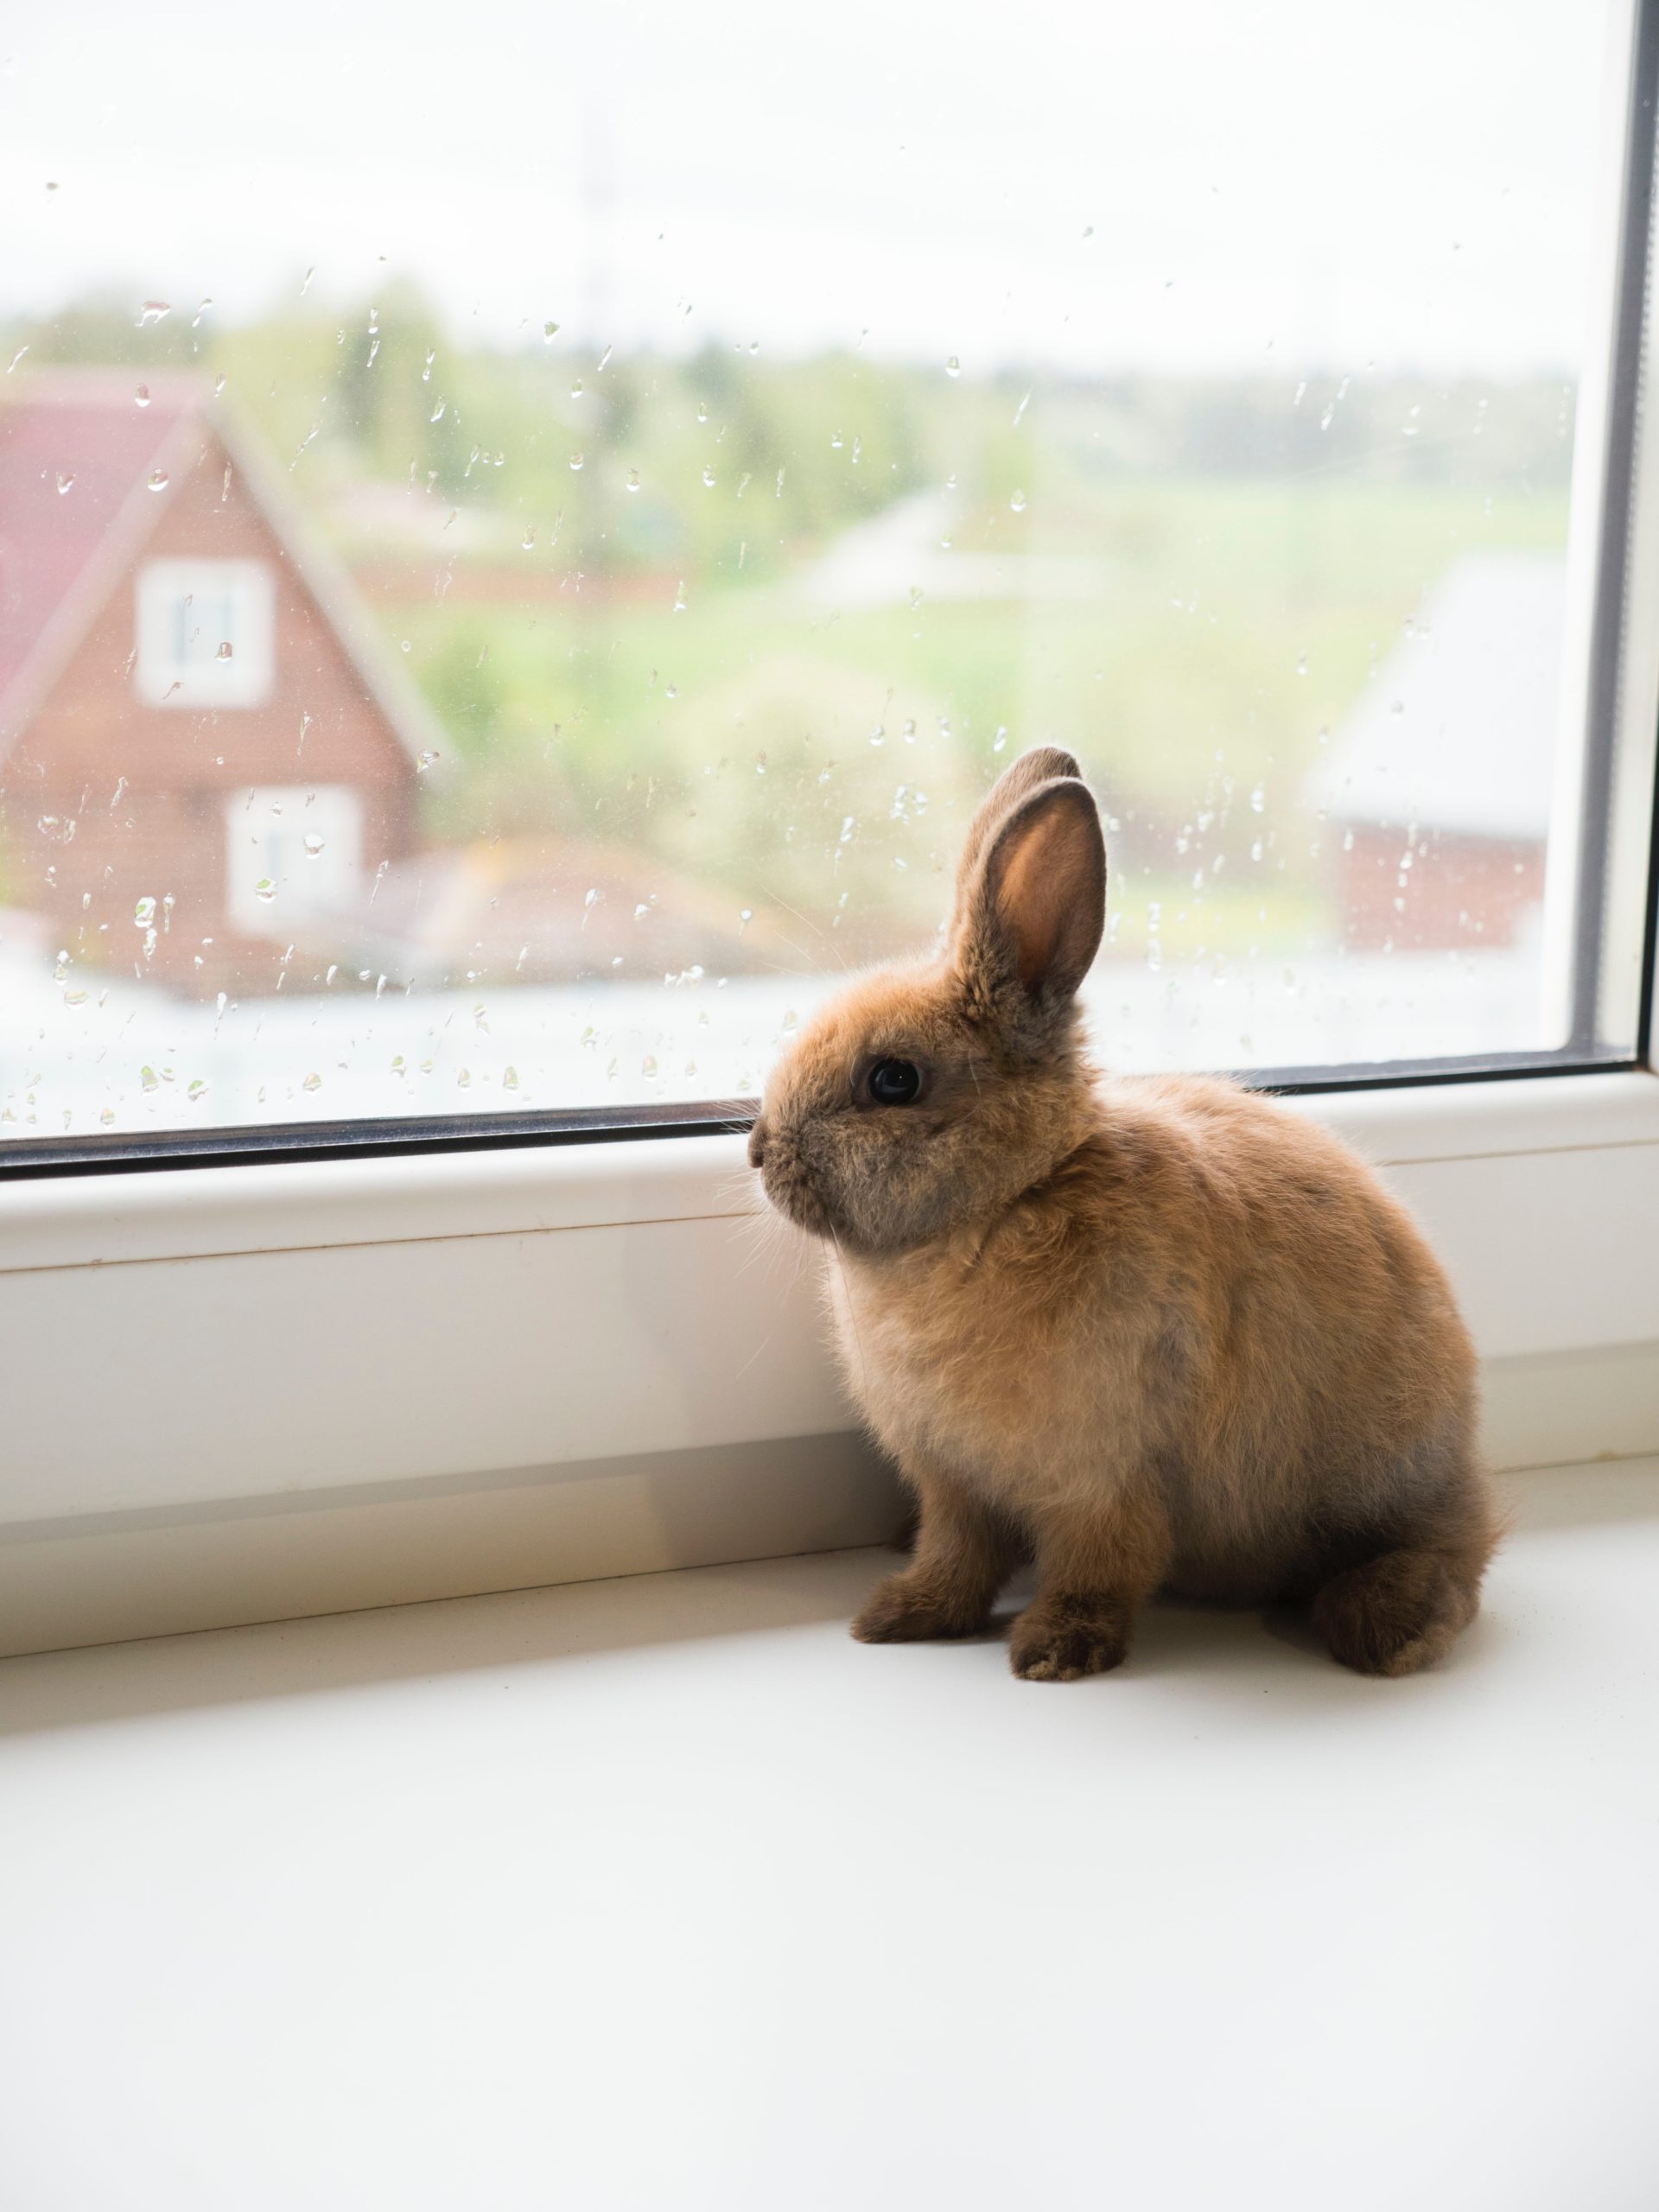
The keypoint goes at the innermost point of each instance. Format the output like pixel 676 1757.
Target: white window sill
pixel 291 1205
pixel 666 1893
pixel 239 1393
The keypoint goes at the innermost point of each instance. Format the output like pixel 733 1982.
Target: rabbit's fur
pixel 1154 1332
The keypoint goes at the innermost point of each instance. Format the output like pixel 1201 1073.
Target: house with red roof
pixel 1439 786
pixel 205 749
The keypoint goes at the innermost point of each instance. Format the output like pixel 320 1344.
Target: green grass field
pixel 738 739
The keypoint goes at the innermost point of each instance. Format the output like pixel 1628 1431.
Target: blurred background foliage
pixel 636 591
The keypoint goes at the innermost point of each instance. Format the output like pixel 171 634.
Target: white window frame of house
pixel 424 1364
pixel 187 612
pixel 291 851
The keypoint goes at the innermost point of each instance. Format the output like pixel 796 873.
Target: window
pixel 690 471
pixel 294 857
pixel 206 634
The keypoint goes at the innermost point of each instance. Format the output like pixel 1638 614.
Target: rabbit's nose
pixel 757 1142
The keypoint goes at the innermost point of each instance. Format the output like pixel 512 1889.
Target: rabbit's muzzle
pixel 787 1179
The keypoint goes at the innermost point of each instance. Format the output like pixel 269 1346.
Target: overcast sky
pixel 1267 183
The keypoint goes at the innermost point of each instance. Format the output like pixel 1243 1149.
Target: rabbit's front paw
pixel 1061 1638
pixel 905 1610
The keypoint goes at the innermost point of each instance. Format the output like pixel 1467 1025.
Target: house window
pixel 1241 398
pixel 207 633
pixel 294 861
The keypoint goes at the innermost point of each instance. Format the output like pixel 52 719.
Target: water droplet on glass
pixel 576 389
pixel 834 441
pixel 313 844
pixel 196 1089
pixel 74 998
pixel 158 479
pixel 549 331
pixel 633 480
pixel 224 652
pixel 708 478
pixel 953 366
pixel 509 1078
pixel 141 398
pixel 1302 665
pixel 1018 503
pixel 264 890
pixel 64 482
pixel 575 460
pixel 148 1079
pixel 1258 800
pixel 702 410
pixel 143 913
pixel 312 1082
pixel 424 760
pixel 529 540
pixel 745 915
pixel 153 311
pixel 436 414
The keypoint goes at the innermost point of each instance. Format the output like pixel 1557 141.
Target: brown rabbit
pixel 1154 1332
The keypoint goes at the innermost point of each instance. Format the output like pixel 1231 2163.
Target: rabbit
pixel 1150 1333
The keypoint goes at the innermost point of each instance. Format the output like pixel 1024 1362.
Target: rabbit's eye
pixel 894 1082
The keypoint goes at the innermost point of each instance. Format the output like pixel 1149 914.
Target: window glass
pixel 294 857
pixel 520 551
pixel 204 634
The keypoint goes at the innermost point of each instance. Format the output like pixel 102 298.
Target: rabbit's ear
pixel 1031 921
pixel 1040 766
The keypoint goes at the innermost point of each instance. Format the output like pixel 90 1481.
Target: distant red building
pixel 201 734
pixel 1438 789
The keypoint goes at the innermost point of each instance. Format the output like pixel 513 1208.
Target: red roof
pixel 60 551
pixel 86 434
